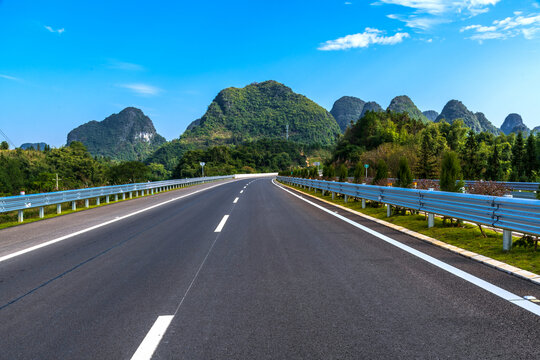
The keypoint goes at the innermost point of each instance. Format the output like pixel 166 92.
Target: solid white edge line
pixel 65 237
pixel 235 201
pixel 495 290
pixel 241 191
pixel 221 223
pixel 152 339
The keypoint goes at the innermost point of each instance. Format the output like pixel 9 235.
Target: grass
pixel 466 236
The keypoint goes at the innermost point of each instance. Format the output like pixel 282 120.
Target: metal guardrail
pixel 510 185
pixel 24 202
pixel 509 214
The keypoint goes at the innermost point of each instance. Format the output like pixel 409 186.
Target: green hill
pixel 128 135
pixel 257 111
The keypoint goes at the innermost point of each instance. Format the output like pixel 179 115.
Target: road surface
pixel 247 270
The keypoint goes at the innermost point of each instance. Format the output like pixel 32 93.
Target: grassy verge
pixel 467 236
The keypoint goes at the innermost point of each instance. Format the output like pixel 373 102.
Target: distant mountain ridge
pixel 36 146
pixel 128 135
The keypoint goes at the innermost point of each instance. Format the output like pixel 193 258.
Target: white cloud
pixel 348 3
pixel 121 65
pixel 7 77
pixel 439 7
pixel 50 29
pixel 363 40
pixel 142 89
pixel 528 26
pixel 427 13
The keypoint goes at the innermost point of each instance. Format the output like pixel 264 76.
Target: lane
pixel 26 235
pixel 98 294
pixel 286 280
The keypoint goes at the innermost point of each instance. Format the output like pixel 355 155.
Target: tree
pixel 472 164
pixel 450 173
pixel 426 166
pixel 381 175
pixel 358 173
pixel 4 145
pixel 494 170
pixel 404 175
pixel 343 172
pixel 531 164
pixel 129 172
pixel 517 159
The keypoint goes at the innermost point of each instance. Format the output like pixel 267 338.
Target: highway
pixel 247 270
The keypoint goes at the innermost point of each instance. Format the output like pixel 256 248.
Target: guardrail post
pixel 346 199
pixel 388 210
pixel 363 203
pixel 333 195
pixel 123 196
pixel 430 216
pixel 42 212
pixel 98 200
pixel 152 191
pixel 87 203
pixel 107 199
pixel 115 197
pixel 20 216
pixel 58 208
pixel 73 205
pixel 507 240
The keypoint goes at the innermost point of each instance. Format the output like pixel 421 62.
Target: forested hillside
pixel 392 136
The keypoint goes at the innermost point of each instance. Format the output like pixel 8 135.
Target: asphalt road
pixel 281 280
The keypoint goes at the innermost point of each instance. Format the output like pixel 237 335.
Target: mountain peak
pixel 455 109
pixel 347 109
pixel 513 124
pixel 128 135
pixel 404 104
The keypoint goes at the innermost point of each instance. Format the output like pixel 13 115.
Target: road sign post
pixel 202 166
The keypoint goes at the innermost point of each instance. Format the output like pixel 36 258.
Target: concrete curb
pixel 499 265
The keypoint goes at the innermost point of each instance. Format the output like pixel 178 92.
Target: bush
pixel 487 188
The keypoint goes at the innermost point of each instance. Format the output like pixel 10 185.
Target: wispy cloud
pixel 7 77
pixel 363 40
pixel 58 31
pixel 528 26
pixel 428 13
pixel 142 89
pixel 121 65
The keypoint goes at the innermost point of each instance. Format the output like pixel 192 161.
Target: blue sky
pixel 63 63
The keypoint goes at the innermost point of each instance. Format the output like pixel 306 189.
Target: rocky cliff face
pixel 128 135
